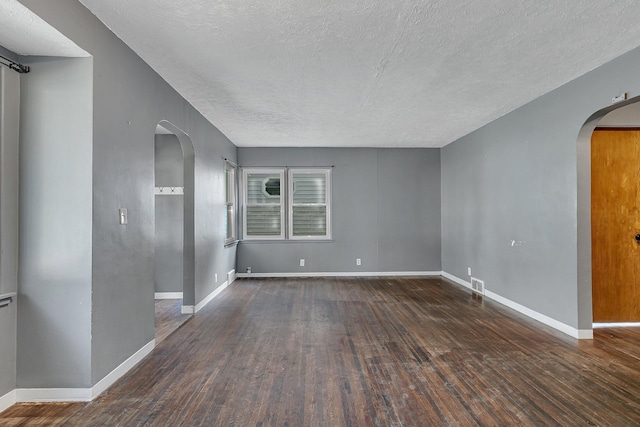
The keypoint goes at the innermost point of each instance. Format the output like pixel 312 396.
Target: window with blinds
pixel 263 207
pixel 230 195
pixel 305 194
pixel 308 203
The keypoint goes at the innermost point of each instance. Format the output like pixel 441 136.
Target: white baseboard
pixel 122 369
pixel 342 274
pixel 211 296
pixel 168 295
pixel 562 327
pixel 456 279
pixel 7 400
pixel 83 394
pixel 617 325
pixel 187 309
pixel 53 395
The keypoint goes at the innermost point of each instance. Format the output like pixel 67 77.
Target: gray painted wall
pixel 129 99
pixel 386 211
pixel 515 205
pixel 169 215
pixel 54 314
pixel 9 136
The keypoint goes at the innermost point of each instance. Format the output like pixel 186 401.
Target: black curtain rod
pixel 22 69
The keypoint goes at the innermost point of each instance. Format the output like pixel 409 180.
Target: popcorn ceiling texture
pixel 25 33
pixel 367 73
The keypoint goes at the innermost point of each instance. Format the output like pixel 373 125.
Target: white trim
pixel 562 327
pixel 8 400
pixel 342 274
pixel 245 204
pixel 456 279
pixel 37 395
pixel 83 394
pixel 617 325
pixel 585 334
pixel 232 276
pixel 291 172
pixel 211 296
pixel 168 295
pixel 122 369
pixel 187 309
pixel 169 191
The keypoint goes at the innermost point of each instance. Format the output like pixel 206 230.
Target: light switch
pixel 123 216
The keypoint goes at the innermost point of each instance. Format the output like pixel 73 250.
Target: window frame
pixel 245 203
pixel 231 199
pixel 286 202
pixel 290 204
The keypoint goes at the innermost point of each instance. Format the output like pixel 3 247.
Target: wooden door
pixel 615 222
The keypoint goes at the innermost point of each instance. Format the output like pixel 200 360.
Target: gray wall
pixel 9 134
pixel 515 203
pixel 129 99
pixel 54 315
pixel 169 215
pixel 386 211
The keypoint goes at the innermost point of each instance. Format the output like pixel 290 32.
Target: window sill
pixel 231 243
pixel 286 241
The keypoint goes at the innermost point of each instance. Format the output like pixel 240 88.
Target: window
pixel 309 204
pixel 263 207
pixel 305 197
pixel 230 195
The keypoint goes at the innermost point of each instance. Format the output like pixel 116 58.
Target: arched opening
pixel 174 228
pixel 584 207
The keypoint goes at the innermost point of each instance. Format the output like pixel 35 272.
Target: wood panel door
pixel 615 222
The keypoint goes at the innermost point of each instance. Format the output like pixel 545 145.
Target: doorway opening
pixel 601 149
pixel 174 225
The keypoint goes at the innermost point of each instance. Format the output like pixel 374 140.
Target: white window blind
pixel 305 195
pixel 309 203
pixel 230 195
pixel 263 204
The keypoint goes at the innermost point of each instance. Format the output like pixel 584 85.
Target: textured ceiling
pixel 25 33
pixel 373 73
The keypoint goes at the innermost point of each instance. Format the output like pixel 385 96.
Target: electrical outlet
pixel 358 261
pixel 301 262
pixel 468 271
pixel 248 270
pixel 215 277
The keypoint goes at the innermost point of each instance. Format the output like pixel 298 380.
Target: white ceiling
pixel 25 33
pixel 374 73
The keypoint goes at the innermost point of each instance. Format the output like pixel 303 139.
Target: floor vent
pixel 477 286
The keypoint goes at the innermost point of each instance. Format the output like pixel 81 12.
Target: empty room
pixel 325 213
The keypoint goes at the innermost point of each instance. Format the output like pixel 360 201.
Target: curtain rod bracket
pixel 15 66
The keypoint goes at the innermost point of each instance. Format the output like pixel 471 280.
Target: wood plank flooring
pixel 364 352
pixel 169 317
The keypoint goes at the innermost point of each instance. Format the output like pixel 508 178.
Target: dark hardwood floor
pixel 364 352
pixel 169 317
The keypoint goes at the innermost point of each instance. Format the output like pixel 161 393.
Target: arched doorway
pixel 174 227
pixel 584 209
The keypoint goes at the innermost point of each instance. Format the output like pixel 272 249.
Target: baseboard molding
pixel 122 369
pixel 8 400
pixel 187 309
pixel 341 274
pixel 39 395
pixel 168 295
pixel 562 327
pixel 617 325
pixel 83 394
pixel 456 279
pixel 211 296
